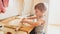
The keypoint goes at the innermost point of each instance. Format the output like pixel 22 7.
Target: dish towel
pixel 3 5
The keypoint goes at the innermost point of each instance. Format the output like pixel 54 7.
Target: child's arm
pixel 40 22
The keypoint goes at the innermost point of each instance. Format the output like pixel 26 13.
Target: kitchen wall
pixel 54 17
pixel 14 8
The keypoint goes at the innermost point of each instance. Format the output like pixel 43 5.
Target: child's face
pixel 38 13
